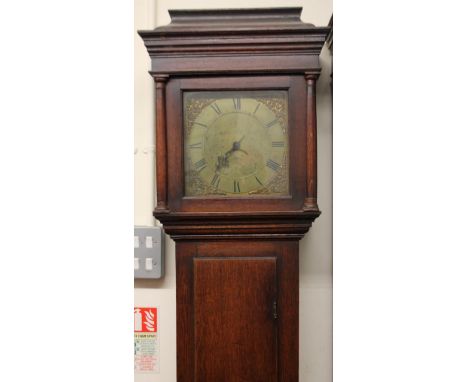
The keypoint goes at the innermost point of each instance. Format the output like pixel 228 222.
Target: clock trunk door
pixel 235 319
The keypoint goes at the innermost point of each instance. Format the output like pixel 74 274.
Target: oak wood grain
pixel 237 267
pixel 235 319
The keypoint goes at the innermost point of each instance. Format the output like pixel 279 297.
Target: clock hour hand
pixel 222 162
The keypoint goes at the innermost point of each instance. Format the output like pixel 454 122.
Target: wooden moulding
pixel 211 226
pixel 235 41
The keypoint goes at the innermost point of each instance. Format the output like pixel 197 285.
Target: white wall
pixel 316 248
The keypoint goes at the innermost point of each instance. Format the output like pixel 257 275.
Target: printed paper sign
pixel 146 338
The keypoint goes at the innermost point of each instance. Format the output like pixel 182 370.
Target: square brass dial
pixel 236 143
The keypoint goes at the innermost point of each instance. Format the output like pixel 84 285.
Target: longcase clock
pixel 236 177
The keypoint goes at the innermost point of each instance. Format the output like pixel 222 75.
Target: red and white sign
pixel 146 340
pixel 146 320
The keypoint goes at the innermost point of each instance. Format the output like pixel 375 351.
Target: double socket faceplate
pixel 148 252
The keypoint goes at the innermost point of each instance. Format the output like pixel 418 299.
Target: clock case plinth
pixel 253 243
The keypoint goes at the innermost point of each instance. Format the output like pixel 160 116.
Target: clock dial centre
pixel 237 144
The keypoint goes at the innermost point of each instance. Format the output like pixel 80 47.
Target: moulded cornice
pixel 200 35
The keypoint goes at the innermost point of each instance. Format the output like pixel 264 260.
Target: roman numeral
pixel 237 103
pixel 273 165
pixel 277 144
pixel 200 124
pixel 200 165
pixel 258 105
pixel 269 124
pixel 236 186
pixel 258 180
pixel 216 108
pixel 215 181
pixel 195 145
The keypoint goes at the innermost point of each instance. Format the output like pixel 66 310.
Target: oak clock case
pixel 236 183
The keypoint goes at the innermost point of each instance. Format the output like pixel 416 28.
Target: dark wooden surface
pixel 235 40
pixel 217 278
pixel 235 257
pixel 161 143
pixel 311 143
pixel 235 319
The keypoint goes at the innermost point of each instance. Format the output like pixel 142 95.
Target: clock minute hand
pixel 236 147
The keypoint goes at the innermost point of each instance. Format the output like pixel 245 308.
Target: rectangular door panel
pixel 235 319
